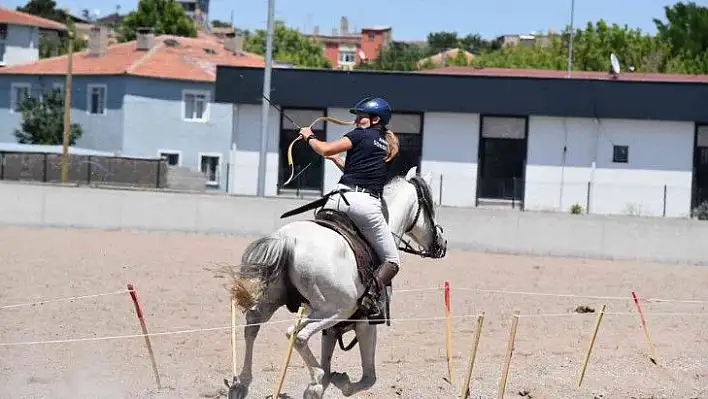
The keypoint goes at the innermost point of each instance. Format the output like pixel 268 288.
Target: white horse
pixel 321 266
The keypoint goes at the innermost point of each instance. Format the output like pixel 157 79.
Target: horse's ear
pixel 411 172
pixel 428 177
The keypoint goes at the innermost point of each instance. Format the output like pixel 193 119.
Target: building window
pixel 97 99
pixel 2 53
pixel 620 154
pixel 195 106
pixel 372 36
pixel 58 86
pixel 172 157
pixel 18 92
pixel 209 165
pixel 347 55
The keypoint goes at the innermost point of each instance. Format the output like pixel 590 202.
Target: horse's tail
pixel 264 260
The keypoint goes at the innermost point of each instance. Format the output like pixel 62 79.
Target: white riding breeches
pixel 367 214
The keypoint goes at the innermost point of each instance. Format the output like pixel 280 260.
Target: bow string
pixel 299 137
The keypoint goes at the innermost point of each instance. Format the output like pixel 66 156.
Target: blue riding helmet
pixel 374 106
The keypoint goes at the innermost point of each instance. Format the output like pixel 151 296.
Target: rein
pixel 299 137
pixel 434 251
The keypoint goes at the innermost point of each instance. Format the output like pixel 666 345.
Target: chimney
pixel 233 43
pixel 98 40
pixel 146 39
pixel 344 25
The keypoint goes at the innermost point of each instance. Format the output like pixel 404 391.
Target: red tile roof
pixel 12 17
pixel 557 74
pixel 190 59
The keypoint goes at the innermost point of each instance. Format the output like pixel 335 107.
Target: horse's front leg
pixel 329 341
pixel 320 321
pixel 260 313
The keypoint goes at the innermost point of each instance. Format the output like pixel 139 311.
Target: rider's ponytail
pixel 392 142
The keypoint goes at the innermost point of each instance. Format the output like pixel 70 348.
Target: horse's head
pixel 420 220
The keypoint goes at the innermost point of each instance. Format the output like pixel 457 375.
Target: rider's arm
pixel 327 149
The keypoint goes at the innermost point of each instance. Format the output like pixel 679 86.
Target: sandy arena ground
pixel 179 290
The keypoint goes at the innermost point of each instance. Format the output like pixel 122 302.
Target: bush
pixel 576 209
pixel 701 211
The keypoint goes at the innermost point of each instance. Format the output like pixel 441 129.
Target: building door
pixel 312 178
pixel 700 166
pixel 502 158
pixel 408 127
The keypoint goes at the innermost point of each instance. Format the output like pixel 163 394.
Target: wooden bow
pixel 299 137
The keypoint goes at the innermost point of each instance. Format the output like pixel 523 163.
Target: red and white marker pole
pixel 141 318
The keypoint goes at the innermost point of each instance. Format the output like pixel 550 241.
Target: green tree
pixel 288 45
pixel 220 24
pixel 163 16
pixel 685 37
pixel 43 120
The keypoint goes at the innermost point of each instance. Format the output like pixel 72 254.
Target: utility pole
pixel 570 40
pixel 67 108
pixel 265 106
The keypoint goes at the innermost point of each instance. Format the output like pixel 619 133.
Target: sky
pixel 414 19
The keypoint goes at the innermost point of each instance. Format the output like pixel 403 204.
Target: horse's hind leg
pixel 260 313
pixel 366 335
pixel 316 388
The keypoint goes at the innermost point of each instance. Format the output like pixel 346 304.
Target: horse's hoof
pixel 238 391
pixel 342 382
pixel 313 392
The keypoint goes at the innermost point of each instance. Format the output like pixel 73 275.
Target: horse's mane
pixel 397 181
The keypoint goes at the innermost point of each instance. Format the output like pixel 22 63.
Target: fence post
pixel 587 199
pixel 157 180
pixel 513 193
pixel 44 171
pixel 2 165
pixel 88 163
pixel 228 175
pixel 664 200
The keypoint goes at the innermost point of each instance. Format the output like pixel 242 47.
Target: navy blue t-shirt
pixel 365 164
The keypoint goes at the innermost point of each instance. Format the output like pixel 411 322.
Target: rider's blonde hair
pixel 392 142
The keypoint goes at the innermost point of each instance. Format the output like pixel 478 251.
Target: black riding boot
pixel 374 301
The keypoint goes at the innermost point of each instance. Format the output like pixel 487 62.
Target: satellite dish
pixel 615 64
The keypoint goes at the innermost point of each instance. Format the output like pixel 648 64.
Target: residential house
pixel 528 40
pixel 153 96
pixel 19 36
pixel 346 49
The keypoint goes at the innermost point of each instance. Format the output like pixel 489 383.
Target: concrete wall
pixel 21 45
pixel 660 153
pixel 450 147
pixel 154 122
pixel 644 239
pixel 246 138
pixel 100 132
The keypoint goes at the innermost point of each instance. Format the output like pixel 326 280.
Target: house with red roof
pixel 148 97
pixel 19 36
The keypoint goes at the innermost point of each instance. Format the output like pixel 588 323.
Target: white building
pixel 628 144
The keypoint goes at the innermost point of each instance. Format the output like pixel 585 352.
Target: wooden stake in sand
pixel 652 356
pixel 507 358
pixel 233 334
pixel 448 332
pixel 473 354
pixel 143 326
pixel 592 343
pixel 286 361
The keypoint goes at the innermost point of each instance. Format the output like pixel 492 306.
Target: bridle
pixel 435 250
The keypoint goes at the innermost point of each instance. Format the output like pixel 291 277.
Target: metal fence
pixel 83 169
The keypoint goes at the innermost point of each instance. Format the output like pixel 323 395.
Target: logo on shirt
pixel 381 143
